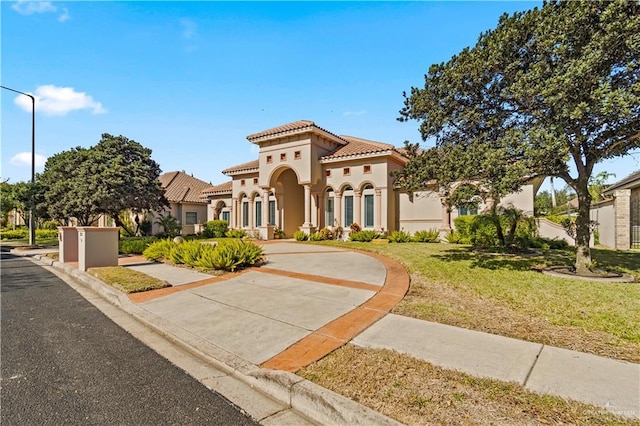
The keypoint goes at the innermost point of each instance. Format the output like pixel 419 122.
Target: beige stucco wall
pixel 423 213
pixel 604 214
pixel 522 200
pixel 179 211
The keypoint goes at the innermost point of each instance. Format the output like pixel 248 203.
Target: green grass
pixel 508 280
pixel 127 280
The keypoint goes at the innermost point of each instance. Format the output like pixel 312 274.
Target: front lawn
pixel 501 294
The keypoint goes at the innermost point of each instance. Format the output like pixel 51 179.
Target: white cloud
pixel 189 28
pixel 348 113
pixel 53 100
pixel 24 159
pixel 29 7
pixel 65 15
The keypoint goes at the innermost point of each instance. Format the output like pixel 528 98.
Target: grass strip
pixel 416 392
pixel 127 280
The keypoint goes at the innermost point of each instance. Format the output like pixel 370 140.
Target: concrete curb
pixel 313 401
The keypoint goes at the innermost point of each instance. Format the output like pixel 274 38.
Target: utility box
pixel 68 244
pixel 97 247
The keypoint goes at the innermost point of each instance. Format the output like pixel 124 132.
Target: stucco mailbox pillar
pixel 68 244
pixel 97 247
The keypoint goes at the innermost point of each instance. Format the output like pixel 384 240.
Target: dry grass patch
pixel 501 294
pixel 416 392
pixel 127 280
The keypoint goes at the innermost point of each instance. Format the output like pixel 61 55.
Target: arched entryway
pixel 290 200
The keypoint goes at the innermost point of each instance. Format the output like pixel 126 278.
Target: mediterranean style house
pixel 307 178
pixel 185 203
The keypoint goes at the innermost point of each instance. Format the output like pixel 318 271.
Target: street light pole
pixel 32 219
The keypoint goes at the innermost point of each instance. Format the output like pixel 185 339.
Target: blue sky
pixel 191 80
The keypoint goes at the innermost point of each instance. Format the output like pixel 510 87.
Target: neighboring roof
pixel 631 181
pixel 358 146
pixel 244 167
pixel 182 188
pixel 223 188
pixel 295 127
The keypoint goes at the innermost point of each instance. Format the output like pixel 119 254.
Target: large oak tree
pixel 115 175
pixel 549 92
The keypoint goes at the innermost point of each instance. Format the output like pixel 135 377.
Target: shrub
pixel 50 224
pixel 399 237
pixel 453 237
pixel 17 234
pixel 427 236
pixel 187 253
pixel 482 232
pixel 215 229
pixel 547 243
pixel 337 233
pixel 300 236
pixel 146 227
pixel 226 255
pixel 363 236
pixel 463 225
pixel 158 250
pixel 315 237
pixel 355 227
pixel 325 234
pixel 135 245
pixel 230 255
pixel 236 233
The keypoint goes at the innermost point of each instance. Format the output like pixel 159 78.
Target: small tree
pixel 117 174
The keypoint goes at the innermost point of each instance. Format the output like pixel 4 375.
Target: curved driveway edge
pixel 338 332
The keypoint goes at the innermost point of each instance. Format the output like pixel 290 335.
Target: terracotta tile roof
pixel 223 188
pixel 294 127
pixel 182 188
pixel 251 165
pixel 358 146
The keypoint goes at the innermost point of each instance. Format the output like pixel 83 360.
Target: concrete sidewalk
pixel 309 300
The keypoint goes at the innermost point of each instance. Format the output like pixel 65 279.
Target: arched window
pixel 245 211
pixel 329 207
pixel 348 205
pixel 367 200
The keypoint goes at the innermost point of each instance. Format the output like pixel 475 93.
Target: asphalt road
pixel 64 362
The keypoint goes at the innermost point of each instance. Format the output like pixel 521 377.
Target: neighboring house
pixel 185 203
pixel 307 178
pixel 618 216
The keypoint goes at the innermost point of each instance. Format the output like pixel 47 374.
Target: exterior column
pixel 377 220
pixel 307 205
pixel 266 229
pixel 307 227
pixel 234 212
pixel 622 208
pixel 338 209
pixel 278 211
pixel 252 213
pixel 357 208
pixel 265 208
pixel 321 213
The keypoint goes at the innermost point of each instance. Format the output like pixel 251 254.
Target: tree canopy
pixel 549 92
pixel 114 175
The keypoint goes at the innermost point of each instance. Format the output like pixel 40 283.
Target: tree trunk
pixel 583 230
pixel 121 224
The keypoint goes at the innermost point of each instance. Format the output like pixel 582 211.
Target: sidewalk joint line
pixel 535 361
